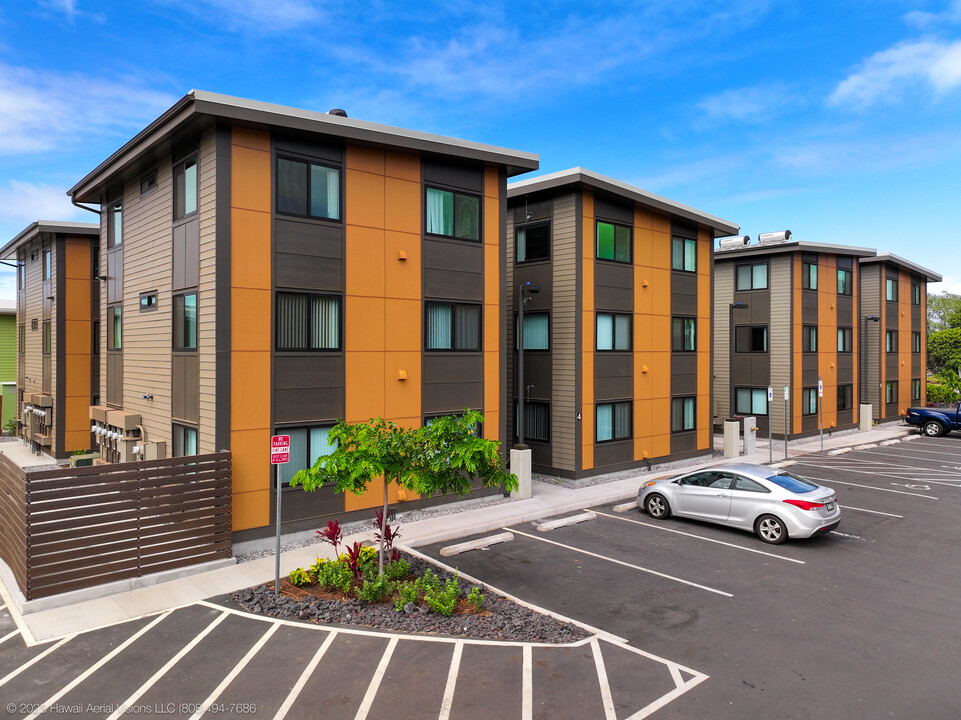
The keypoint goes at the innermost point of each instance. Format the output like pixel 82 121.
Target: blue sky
pixel 838 120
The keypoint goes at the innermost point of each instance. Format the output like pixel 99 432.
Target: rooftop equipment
pixel 774 238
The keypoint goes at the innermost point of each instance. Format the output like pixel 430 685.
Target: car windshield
pixel 792 483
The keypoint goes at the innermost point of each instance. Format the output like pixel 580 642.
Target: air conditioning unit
pixel 154 450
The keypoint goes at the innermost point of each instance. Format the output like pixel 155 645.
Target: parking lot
pixel 863 622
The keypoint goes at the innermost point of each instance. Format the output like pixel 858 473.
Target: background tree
pixel 944 311
pixel 944 356
pixel 445 456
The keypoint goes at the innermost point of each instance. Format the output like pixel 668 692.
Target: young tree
pixel 944 311
pixel 441 457
pixel 944 351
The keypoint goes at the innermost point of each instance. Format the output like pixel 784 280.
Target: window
pixel 845 282
pixel 809 276
pixel 613 332
pixel 95 341
pixel 891 391
pixel 46 338
pixel 184 440
pixel 533 242
pixel 22 341
pixel 185 321
pixel 537 421
pixel 34 324
pixel 750 338
pixel 891 341
pixel 750 401
pixel 748 485
pixel 809 338
pixel 148 301
pixel 453 214
pixel 307 322
pixel 845 397
pixel 845 340
pixel 915 389
pixel 891 289
pixel 148 183
pixel 613 242
pixel 452 326
pixel 537 331
pixel 115 225
pixel 185 188
pixel 682 414
pixel 21 276
pixel 683 334
pixel 683 254
pixel 114 327
pixel 752 277
pixel 308 189
pixel 915 293
pixel 307 444
pixel 809 401
pixel 47 267
pixel 915 342
pixel 613 421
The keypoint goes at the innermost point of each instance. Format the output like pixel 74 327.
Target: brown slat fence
pixel 73 528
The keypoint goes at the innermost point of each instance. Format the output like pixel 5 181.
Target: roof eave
pixel 929 275
pixel 793 246
pixel 39 227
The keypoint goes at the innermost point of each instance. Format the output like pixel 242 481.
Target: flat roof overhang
pixel 40 227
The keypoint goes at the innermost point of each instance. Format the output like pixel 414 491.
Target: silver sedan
pixel 772 503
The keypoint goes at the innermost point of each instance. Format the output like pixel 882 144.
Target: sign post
pixel 821 412
pixel 770 439
pixel 279 454
pixel 787 396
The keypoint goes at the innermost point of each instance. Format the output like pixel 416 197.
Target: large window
pixel 308 189
pixel 845 397
pixel 915 293
pixel 891 289
pixel 916 389
pixel 915 342
pixel 683 254
pixel 533 242
pixel 184 440
pixel 115 225
pixel 185 188
pixel 308 322
pixel 845 282
pixel 537 421
pixel 452 326
pixel 750 401
pixel 891 391
pixel 750 339
pixel 845 340
pixel 809 338
pixel 114 327
pixel 185 321
pixel 613 242
pixel 809 401
pixel 613 331
pixel 809 276
pixel 613 421
pixel 47 343
pixel 752 277
pixel 537 331
pixel 682 414
pixel 307 444
pixel 891 341
pixel 47 266
pixel 453 214
pixel 683 334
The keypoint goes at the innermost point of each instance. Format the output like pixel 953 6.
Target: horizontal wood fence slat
pixel 72 528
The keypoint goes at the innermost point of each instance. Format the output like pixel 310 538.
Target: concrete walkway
pixel 97 607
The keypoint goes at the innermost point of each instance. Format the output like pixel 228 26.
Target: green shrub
pixel 428 582
pixel 397 570
pixel 335 575
pixel 375 590
pixel 941 394
pixel 443 601
pixel 406 593
pixel 475 599
pixel 300 577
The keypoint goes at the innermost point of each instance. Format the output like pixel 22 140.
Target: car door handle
pixel 721 494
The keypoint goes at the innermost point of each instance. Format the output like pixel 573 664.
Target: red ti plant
pixel 388 534
pixel 332 534
pixel 353 558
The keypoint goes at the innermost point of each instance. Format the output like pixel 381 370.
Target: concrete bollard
pixel 731 439
pixel 750 434
pixel 521 467
pixel 865 417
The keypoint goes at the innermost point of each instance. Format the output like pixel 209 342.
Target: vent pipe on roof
pixel 774 237
pixel 338 112
pixel 733 242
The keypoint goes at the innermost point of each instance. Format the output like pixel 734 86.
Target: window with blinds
pixel 537 421
pixel 308 322
pixel 613 421
pixel 307 444
pixel 452 326
pixel 613 332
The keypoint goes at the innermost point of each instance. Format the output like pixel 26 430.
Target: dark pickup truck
pixel 935 421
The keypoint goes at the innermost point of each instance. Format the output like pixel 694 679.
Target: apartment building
pixel 894 295
pixel 794 312
pixel 57 325
pixel 8 364
pixel 617 336
pixel 270 270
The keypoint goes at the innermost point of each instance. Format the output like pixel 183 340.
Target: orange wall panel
pixel 252 139
pixel 364 386
pixel 250 396
pixel 78 337
pixel 491 183
pixel 402 278
pixel 402 397
pixel 365 261
pixel 403 166
pixel 364 325
pixel 77 265
pixel 250 460
pixel 643 244
pixel 402 325
pixel 365 159
pixel 249 318
pixel 402 202
pixel 492 387
pixel 492 423
pixel 250 179
pixel 76 292
pixel 364 196
pixel 661 249
pixel 250 245
pixel 661 223
pixel 661 291
pixel 250 509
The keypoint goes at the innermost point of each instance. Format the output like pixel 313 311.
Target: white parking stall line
pixel 904 456
pixel 699 537
pixel 13 673
pixel 841 534
pixel 527 684
pixel 97 665
pixel 375 681
pixel 873 512
pixel 212 698
pixel 302 680
pixel 873 473
pixel 625 564
pixel 928 450
pixel 8 636
pixel 606 698
pixel 448 702
pixel 870 487
pixel 122 708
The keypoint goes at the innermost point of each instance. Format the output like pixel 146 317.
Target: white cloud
pixel 26 202
pixel 949 284
pixel 887 75
pixel 68 7
pixel 42 111
pixel 925 20
pixel 257 15
pixel 755 105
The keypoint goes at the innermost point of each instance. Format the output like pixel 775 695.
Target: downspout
pixel 83 207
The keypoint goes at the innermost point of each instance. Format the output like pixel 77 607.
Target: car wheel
pixel 657 507
pixel 770 529
pixel 933 428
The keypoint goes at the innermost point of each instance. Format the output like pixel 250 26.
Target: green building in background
pixel 8 362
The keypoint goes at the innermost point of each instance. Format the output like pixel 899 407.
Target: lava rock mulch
pixel 499 619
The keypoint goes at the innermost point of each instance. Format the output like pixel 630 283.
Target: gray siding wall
pixel 564 318
pixel 779 335
pixel 871 338
pixel 723 295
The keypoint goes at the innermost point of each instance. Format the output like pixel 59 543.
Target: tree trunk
pixel 383 528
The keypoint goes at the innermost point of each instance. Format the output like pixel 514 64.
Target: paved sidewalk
pixel 88 609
